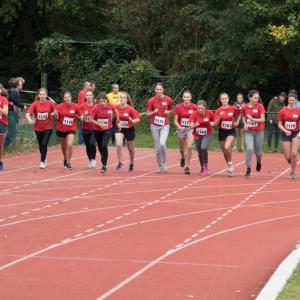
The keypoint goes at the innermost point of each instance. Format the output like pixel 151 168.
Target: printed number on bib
pixel 251 123
pixel 185 122
pixel 226 125
pixel 124 124
pixel 159 121
pixel 87 119
pixel 68 121
pixel 201 131
pixel 103 122
pixel 290 125
pixel 42 116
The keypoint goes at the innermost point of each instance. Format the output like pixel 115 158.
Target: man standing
pixel 275 105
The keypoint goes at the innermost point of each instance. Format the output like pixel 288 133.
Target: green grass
pixel 292 289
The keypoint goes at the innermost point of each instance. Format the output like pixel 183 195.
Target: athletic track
pixel 80 235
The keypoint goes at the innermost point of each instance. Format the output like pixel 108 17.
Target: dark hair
pixel 40 90
pixel 293 92
pixel 102 95
pixel 251 93
pixel 13 82
pixel 157 84
pixel 283 94
pixel 67 92
pixel 240 94
pixel 202 102
pixel 292 95
pixel 219 100
pixel 188 92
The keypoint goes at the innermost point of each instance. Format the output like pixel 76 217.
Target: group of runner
pixel 194 123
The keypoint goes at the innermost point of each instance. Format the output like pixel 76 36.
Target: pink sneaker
pixel 205 170
pixel 202 171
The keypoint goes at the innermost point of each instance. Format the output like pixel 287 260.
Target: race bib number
pixel 185 122
pixel 68 121
pixel 226 125
pixel 42 116
pixel 159 121
pixel 124 124
pixel 103 122
pixel 87 119
pixel 290 125
pixel 201 131
pixel 251 123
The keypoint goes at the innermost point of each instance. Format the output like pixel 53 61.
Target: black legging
pixel 102 139
pixel 90 145
pixel 43 138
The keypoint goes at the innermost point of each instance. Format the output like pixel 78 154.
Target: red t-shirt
pixel 3 118
pixel 125 113
pixel 67 117
pixel 256 111
pixel 162 105
pixel 290 118
pixel 103 115
pixel 86 111
pixel 42 114
pixel 81 97
pixel 228 118
pixel 183 113
pixel 204 127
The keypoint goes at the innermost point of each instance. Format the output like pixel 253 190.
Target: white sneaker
pixel 42 165
pixel 90 164
pixel 93 163
pixel 164 168
pixel 230 169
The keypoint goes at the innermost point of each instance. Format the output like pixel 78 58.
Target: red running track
pixel 142 235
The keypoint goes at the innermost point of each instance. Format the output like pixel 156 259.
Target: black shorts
pixel 129 133
pixel 223 134
pixel 286 138
pixel 62 134
pixel 3 128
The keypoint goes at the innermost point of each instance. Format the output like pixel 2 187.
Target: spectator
pixel 295 92
pixel 275 105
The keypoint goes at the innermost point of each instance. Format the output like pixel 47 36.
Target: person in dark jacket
pixel 275 105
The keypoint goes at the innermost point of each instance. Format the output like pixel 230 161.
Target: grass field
pixel 292 288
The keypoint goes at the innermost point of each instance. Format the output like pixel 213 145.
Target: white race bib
pixel 230 114
pixel 185 122
pixel 290 125
pixel 124 124
pixel 201 131
pixel 87 119
pixel 190 111
pixel 205 120
pixel 159 121
pixel 226 125
pixel 42 116
pixel 68 121
pixel 251 123
pixel 103 122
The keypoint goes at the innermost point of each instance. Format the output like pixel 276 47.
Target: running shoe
pixel 293 176
pixel 42 165
pixel 201 171
pixel 182 162
pixel 93 163
pixel 258 166
pixel 119 166
pixel 68 166
pixel 205 170
pixel 1 165
pixel 164 168
pixel 230 169
pixel 130 167
pixel 248 172
pixel 65 163
pixel 103 170
pixel 90 164
pixel 187 171
pixel 289 161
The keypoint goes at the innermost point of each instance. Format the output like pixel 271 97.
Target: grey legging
pixel 202 145
pixel 160 135
pixel 254 141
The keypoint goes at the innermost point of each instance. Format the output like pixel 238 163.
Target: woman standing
pixel 88 127
pixel 289 124
pixel 227 117
pixel 128 117
pixel 102 116
pixel 3 120
pixel 182 113
pixel 42 109
pixel 240 128
pixel 202 121
pixel 253 119
pixel 68 113
pixel 159 108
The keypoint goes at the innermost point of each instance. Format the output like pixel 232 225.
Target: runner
pixel 68 113
pixel 43 110
pixel 240 128
pixel 159 108
pixel 289 124
pixel 185 135
pixel 254 119
pixel 102 116
pixel 227 117
pixel 202 121
pixel 88 128
pixel 3 120
pixel 128 117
